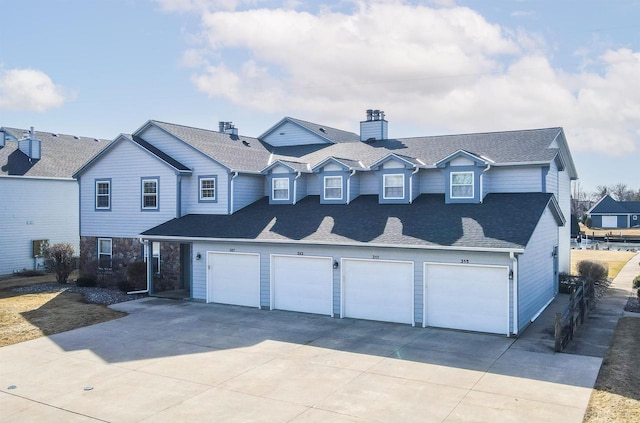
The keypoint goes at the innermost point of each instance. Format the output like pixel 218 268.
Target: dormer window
pixel 393 188
pixel 280 189
pixel 333 187
pixel 461 185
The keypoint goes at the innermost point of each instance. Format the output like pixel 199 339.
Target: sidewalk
pixel 594 336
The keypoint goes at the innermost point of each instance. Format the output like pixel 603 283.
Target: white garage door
pixel 302 283
pixel 233 278
pixel 378 290
pixel 467 297
pixel 609 221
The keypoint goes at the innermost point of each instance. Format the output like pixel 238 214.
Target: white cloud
pixel 435 69
pixel 29 89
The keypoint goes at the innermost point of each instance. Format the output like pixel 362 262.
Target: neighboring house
pixel 38 196
pixel 461 231
pixel 611 214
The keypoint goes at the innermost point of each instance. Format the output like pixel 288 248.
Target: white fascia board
pixel 566 154
pixel 273 128
pixel 99 155
pixel 389 157
pixel 39 178
pixel 330 159
pixel 461 152
pixel 333 244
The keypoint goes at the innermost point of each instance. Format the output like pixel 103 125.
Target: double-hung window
pixel 333 187
pixel 105 250
pixel 103 195
pixel 207 188
pixel 280 188
pixel 461 185
pixel 150 194
pixel 393 186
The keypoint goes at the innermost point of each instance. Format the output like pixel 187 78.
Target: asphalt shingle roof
pixel 610 206
pixel 236 152
pixel 61 155
pixel 364 220
pixel 335 135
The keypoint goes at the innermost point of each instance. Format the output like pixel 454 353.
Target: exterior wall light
pixel 198 256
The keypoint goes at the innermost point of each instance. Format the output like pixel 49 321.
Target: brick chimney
pixel 375 127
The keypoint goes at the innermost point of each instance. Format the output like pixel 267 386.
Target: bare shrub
pixel 593 271
pixel 61 258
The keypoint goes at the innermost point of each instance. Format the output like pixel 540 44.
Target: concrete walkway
pixel 181 361
pixel 593 338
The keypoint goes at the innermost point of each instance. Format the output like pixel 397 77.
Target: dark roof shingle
pixel 61 155
pixel 364 220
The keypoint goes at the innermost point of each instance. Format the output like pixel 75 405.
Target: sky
pixel 99 68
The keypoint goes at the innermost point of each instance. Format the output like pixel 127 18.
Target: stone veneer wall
pixel 129 250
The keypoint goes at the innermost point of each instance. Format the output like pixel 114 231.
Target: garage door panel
pixel 233 278
pixel 467 297
pixel 378 290
pixel 609 221
pixel 302 284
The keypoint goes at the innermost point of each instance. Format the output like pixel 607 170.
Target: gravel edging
pixel 92 295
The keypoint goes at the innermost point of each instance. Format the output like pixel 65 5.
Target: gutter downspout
pixel 149 269
pixel 514 269
pixel 411 184
pixel 482 181
pixel 353 172
pixel 234 176
pixel 295 191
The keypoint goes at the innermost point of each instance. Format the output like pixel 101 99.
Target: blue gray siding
pixel 368 183
pixel 517 179
pixel 535 270
pixel 354 188
pixel 128 163
pixel 432 181
pixel 292 134
pixel 247 189
pixel 34 208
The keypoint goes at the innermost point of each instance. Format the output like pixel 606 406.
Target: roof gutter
pixel 513 250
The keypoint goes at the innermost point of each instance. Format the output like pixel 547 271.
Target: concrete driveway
pixel 181 361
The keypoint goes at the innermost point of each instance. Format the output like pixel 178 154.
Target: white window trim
pixel 101 253
pixel 451 185
pixel 326 197
pixel 215 189
pixel 103 195
pixel 273 189
pixel 144 194
pixel 384 186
